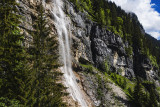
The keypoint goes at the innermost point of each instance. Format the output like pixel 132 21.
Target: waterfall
pixel 64 36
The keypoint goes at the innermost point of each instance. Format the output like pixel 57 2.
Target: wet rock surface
pixel 97 45
pixel 94 45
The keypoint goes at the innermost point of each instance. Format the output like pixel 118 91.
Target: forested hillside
pixel 28 76
pixel 107 14
pixel 76 53
pixel 140 46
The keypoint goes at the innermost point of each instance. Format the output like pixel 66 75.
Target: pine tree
pixel 124 83
pixel 139 95
pixel 152 98
pixel 113 15
pixel 48 93
pixel 101 16
pixel 13 72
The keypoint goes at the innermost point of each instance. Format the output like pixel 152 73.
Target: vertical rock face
pixel 97 44
pixel 91 43
pixel 59 24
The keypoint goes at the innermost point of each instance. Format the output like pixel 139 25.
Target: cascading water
pixel 69 77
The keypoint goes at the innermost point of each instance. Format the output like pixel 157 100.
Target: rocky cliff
pixel 97 45
pixel 94 45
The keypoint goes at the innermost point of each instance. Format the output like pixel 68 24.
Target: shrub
pixel 107 67
pixel 128 51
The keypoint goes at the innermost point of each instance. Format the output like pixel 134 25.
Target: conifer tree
pixel 102 18
pixel 139 95
pixel 48 92
pixel 13 72
pixel 113 15
pixel 152 98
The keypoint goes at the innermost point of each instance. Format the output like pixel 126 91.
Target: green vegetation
pixel 14 75
pixel 144 94
pixel 153 60
pixel 153 48
pixel 89 68
pixel 121 81
pixel 100 87
pixel 140 93
pixel 44 57
pixel 107 67
pixel 4 102
pixel 106 13
pixel 28 76
pixel 129 51
pixel 124 83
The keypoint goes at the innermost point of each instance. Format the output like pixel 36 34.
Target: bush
pixel 90 69
pixel 130 91
pixel 124 83
pixel 107 67
pixel 5 102
pixel 153 60
pixel 119 70
pixel 128 51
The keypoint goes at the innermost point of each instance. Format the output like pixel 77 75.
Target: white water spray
pixel 69 77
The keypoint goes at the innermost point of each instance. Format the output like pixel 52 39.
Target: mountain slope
pixel 114 62
pixel 128 53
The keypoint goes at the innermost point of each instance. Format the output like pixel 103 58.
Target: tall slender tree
pixel 14 77
pixel 48 92
pixel 139 95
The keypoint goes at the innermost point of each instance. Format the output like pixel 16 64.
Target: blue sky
pixel 147 11
pixel 157 5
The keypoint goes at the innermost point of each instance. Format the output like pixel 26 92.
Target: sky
pixel 147 11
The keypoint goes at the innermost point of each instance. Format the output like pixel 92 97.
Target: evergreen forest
pixel 29 76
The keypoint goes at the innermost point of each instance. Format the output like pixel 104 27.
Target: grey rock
pixel 129 73
pixel 93 43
